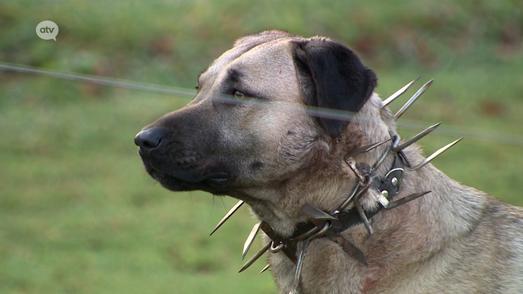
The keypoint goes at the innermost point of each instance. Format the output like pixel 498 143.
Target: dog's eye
pixel 238 94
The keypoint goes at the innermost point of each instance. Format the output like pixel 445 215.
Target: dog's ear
pixel 332 76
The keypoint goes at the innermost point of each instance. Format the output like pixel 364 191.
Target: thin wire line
pixel 100 80
pixel 448 130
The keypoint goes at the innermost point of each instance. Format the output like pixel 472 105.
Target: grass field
pixel 79 215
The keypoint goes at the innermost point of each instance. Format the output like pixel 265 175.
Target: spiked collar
pixel 322 224
pixel 331 225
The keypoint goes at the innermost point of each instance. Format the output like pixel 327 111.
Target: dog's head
pixel 249 131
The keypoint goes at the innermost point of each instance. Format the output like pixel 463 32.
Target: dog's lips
pixel 188 179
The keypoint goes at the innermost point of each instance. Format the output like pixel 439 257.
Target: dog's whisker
pixel 255 257
pixel 435 154
pixel 398 93
pixel 406 199
pixel 413 99
pixel 227 216
pixel 250 239
pixel 418 137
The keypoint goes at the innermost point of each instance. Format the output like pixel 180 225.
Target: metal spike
pixel 255 257
pixel 395 142
pixel 265 268
pixel 352 165
pixel 302 246
pixel 250 239
pixel 316 213
pixel 418 137
pixel 412 99
pixel 435 154
pixel 406 199
pixel 364 217
pixel 398 93
pixel 227 216
pixel 355 191
pixel 383 200
pixel 370 147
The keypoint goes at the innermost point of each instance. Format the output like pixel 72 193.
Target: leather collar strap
pixel 339 221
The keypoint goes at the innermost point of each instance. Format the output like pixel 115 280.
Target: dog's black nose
pixel 150 138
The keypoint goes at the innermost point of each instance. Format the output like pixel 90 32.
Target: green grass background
pixel 79 215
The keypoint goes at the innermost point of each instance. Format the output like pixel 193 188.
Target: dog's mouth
pixel 215 181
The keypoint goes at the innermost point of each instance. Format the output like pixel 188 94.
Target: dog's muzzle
pixel 176 167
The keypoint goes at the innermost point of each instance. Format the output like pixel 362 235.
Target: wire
pixel 100 80
pixel 449 130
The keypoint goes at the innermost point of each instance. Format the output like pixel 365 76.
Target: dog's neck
pixel 282 208
pixel 450 208
pixel 440 213
pixel 417 231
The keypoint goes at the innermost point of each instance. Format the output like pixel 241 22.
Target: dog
pixel 271 152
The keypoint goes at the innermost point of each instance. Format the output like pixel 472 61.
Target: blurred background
pixel 78 214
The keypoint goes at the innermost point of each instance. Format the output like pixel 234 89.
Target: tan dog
pixel 279 158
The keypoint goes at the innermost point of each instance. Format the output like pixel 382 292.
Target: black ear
pixel 332 76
